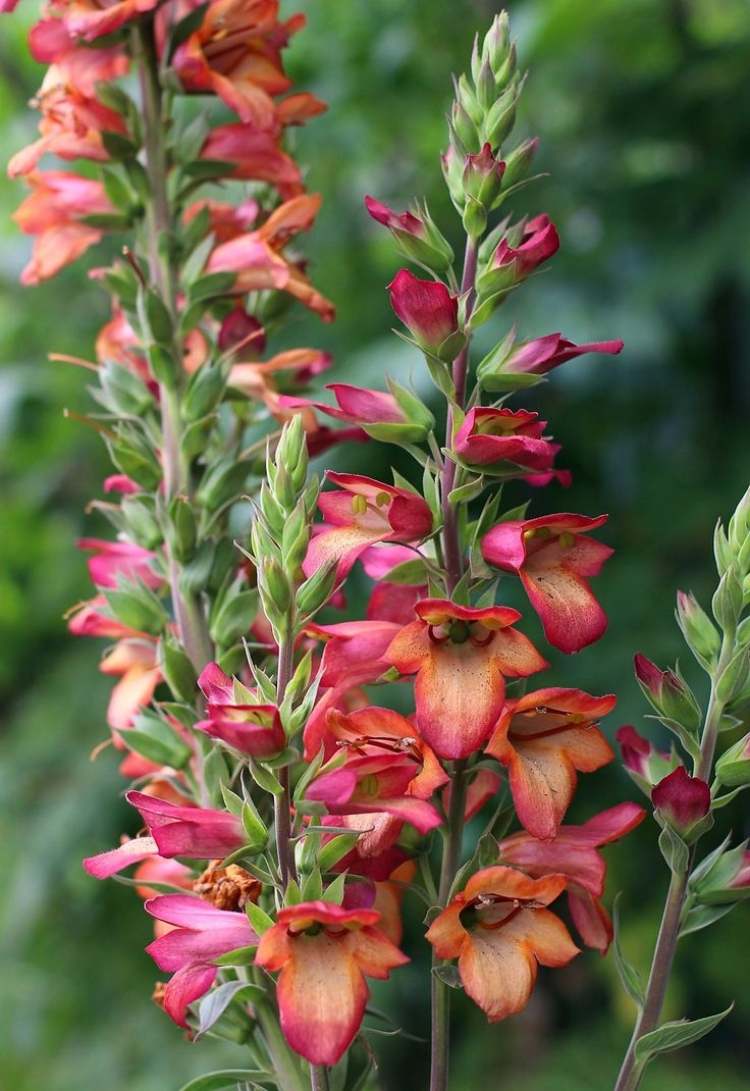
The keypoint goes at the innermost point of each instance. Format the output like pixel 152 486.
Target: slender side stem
pixel 191 624
pixel 451 544
pixel 282 802
pixel 630 1073
pixel 440 996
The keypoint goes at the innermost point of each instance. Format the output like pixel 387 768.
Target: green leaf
pixel 629 976
pixel 227 1077
pixel 411 573
pixel 448 974
pixel 154 739
pixel 675 1035
pixel 215 1003
pixel 336 849
pixel 258 918
pixel 702 916
pixel 185 27
pixel 334 892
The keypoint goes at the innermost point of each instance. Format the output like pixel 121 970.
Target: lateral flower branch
pixel 285 811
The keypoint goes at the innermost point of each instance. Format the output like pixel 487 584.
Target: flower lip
pixel 437 612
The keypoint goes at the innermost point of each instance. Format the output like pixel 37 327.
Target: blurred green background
pixel 641 106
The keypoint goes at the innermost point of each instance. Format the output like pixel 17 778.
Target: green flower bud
pixel 518 161
pixel 294 541
pixel 140 520
pixel 178 670
pixel 727 601
pixel 733 679
pixel 223 481
pixel 182 528
pixel 733 767
pixel 699 631
pixel 234 617
pixel 315 592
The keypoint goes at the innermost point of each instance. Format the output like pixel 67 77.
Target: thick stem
pixel 669 930
pixel 191 625
pixel 451 544
pixel 319 1078
pixel 439 991
pixel 282 802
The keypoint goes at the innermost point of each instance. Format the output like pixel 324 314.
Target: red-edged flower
pixel 645 765
pixel 461 656
pixel 539 241
pixel 323 953
pixel 254 729
pixel 500 930
pixel 573 852
pixel 398 416
pixel 544 738
pixel 554 559
pixel 426 308
pixel 541 355
pixel 253 154
pixel 362 512
pixel 113 559
pixel 53 212
pixel 52 44
pixel 89 19
pixel 667 692
pixel 197 833
pixel 200 934
pixel 490 436
pixel 681 801
pixel 379 780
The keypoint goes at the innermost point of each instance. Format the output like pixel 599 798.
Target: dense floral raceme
pixel 282 810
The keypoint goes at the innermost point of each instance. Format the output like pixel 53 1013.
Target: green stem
pixel 440 996
pixel 286 1067
pixel 319 1078
pixel 282 802
pixel 191 624
pixel 631 1072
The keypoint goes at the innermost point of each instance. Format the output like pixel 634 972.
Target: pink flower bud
pixel 645 764
pixel 426 308
pixel 539 241
pixel 681 800
pixel 395 221
pixel 669 695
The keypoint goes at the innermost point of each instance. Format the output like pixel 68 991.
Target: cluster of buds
pixel 286 810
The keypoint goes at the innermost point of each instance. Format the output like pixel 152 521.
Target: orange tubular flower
pixel 499 929
pixel 544 738
pixel 324 953
pixel 461 656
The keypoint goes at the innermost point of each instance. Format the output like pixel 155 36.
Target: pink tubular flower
pixel 681 800
pixel 398 416
pixel 539 241
pixel 554 559
pixel 573 852
pixel 197 833
pixel 52 44
pixel 667 692
pixel 89 19
pixel 643 762
pixel 53 212
pixel 200 934
pixel 133 851
pixel 254 729
pixel 461 656
pixel 545 353
pixel 544 738
pixel 426 308
pixel 253 155
pixel 113 559
pixel 324 953
pixel 363 512
pixel 406 222
pixel 491 436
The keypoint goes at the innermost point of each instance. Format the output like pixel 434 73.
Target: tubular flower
pixel 71 126
pixel 51 43
pixel 385 779
pixel 538 242
pixel 255 256
pixel 461 656
pixel 543 738
pixel 554 559
pixel 427 309
pixel 323 953
pixel 645 765
pixel 354 651
pixel 236 54
pixel 573 852
pixel 53 212
pixel 363 512
pixel 489 436
pixel 197 833
pixel 541 355
pixel 681 801
pixel 378 731
pixel 254 729
pixel 200 933
pixel 92 19
pixel 398 416
pixel 253 155
pixel 499 929
pixel 113 559
pixel 136 662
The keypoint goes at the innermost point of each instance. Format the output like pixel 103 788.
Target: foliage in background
pixel 636 127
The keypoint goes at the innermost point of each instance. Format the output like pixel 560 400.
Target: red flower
pixel 500 929
pixel 545 353
pixel 543 738
pixel 539 241
pixel 554 559
pixel 573 852
pixel 365 511
pixel 197 833
pixel 426 308
pixel 461 656
pixel 491 436
pixel 324 953
pixel 254 729
pixel 681 800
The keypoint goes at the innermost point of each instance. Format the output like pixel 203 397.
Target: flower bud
pixel 294 541
pixel 518 161
pixel 501 117
pixel 733 767
pixel 726 604
pixel 291 456
pixel 645 765
pixel 734 678
pixel 141 522
pixel 681 801
pixel 315 592
pixel 726 880
pixel 697 628
pixel 667 693
pixel 483 177
pixel 182 528
pixel 275 592
pixel 428 310
pixel 496 43
pixel 222 482
pixel 464 128
pixel 234 617
pixel 178 670
pixel 416 236
pixel 739 524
